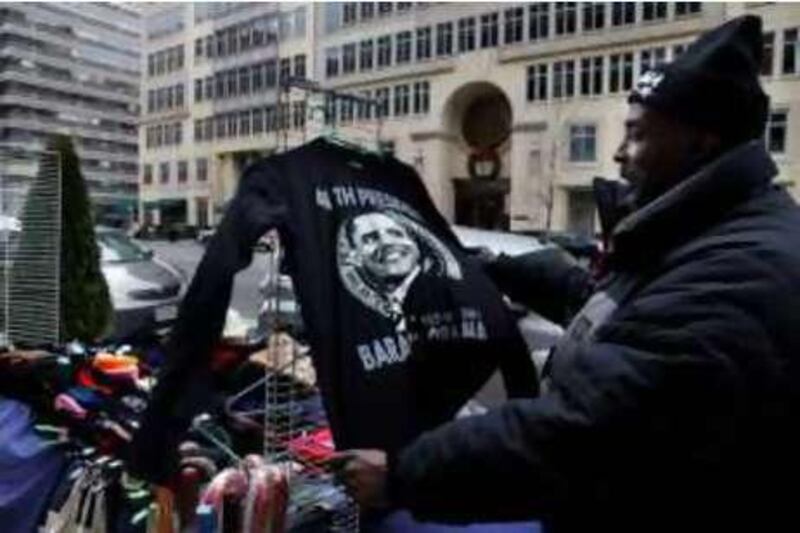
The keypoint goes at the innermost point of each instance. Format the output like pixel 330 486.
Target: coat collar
pixel 693 205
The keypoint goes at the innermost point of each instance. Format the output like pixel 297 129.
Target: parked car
pixel 584 248
pixel 145 290
pixel 497 241
pixel 204 235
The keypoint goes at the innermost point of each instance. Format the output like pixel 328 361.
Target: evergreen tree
pixel 86 310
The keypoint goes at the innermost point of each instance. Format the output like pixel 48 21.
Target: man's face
pixel 385 247
pixel 656 152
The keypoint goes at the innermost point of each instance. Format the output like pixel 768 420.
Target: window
pixel 367 10
pixel 444 39
pixel 791 49
pixel 198 50
pixel 422 97
pixel 423 43
pixel 219 39
pixel 401 107
pixel 233 125
pixel 349 12
pixel 623 13
pixel 270 118
pixel 178 132
pixel 403 47
pixel 346 110
pixel 769 54
pixel 598 69
pixel 651 58
pixel 404 6
pixel 385 8
pixel 219 122
pixel 209 88
pixel 581 211
pixel 382 98
pixel 514 25
pixel 286 69
pixel 271 72
pixel 183 171
pixel 678 51
pixel 170 103
pixel 539 20
pixel 198 130
pixel 331 63
pixel 563 79
pixel 232 83
pixel 300 66
pixel 565 17
pixel 364 107
pixel 210 48
pixel 208 134
pixel 489 30
pixel 244 80
pixel 258 32
pixel 245 37
pixel 258 121
pixel 284 116
pixel 163 175
pixel 594 16
pixel 621 77
pixel 384 51
pixel 202 169
pixel 582 143
pixel 349 58
pixel 466 34
pixel 687 8
pixel 198 90
pixel 148 174
pixel 244 123
pixel 776 132
pixel 654 10
pixel 537 82
pixel 151 65
pixel 151 101
pixel 179 95
pixel 257 77
pixel 586 76
pixel 366 55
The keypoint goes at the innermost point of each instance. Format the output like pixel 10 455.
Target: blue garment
pixel 30 468
pixel 403 522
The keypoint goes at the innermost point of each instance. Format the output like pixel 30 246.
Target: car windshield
pixel 118 248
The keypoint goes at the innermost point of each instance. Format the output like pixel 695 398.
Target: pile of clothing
pixel 67 416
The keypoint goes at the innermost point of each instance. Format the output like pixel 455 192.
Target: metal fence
pixel 30 244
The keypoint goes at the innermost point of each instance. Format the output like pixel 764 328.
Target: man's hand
pixel 363 473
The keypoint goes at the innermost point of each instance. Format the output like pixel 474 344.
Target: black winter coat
pixel 674 395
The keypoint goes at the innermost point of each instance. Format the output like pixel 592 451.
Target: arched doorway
pixel 479 115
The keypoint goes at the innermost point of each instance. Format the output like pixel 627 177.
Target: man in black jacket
pixel 673 396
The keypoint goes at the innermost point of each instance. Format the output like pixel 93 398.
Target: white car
pixel 145 290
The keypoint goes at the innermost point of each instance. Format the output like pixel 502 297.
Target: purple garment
pixel 30 467
pixel 403 522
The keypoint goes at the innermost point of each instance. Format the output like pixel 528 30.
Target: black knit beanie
pixel 714 85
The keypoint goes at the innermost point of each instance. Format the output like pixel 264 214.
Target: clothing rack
pixel 294 423
pixel 331 100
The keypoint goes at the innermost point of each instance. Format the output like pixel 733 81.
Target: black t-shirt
pixel 404 327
